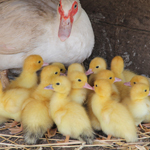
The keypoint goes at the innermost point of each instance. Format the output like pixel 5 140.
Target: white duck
pixel 58 31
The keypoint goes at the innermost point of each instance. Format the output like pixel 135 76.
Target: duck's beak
pixel 89 72
pixel 127 84
pixel 87 86
pixel 65 27
pixel 45 64
pixel 117 79
pixel 49 87
pixel 62 74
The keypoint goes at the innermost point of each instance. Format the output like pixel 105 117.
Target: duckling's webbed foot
pixel 8 125
pixel 51 132
pixel 16 129
pixel 65 141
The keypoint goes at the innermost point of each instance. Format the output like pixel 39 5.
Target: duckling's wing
pixel 23 22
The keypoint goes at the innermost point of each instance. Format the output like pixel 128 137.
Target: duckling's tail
pixel 32 136
pixel 87 136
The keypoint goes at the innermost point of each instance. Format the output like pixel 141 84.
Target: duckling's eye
pixel 57 83
pixel 97 66
pixel 134 82
pixel 61 69
pixel 56 72
pixel 39 61
pixel 75 6
pixel 96 85
pixel 79 80
pixel 145 91
pixel 110 78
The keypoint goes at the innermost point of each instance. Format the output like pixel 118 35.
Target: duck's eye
pixel 96 85
pixel 134 82
pixel 145 91
pixel 57 83
pixel 97 66
pixel 110 78
pixel 75 6
pixel 56 72
pixel 39 61
pixel 79 80
pixel 61 69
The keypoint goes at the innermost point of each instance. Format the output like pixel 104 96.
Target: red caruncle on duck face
pixel 66 21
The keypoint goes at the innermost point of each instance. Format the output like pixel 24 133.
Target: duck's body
pixel 128 75
pixel 114 117
pixel 69 116
pixel 97 64
pixel 137 102
pixel 109 75
pixel 79 87
pixel 11 102
pixel 31 27
pixel 35 115
pixel 138 105
pixel 28 77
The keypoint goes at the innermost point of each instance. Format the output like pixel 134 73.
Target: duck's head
pixel 137 79
pixel 117 64
pixel 139 91
pixel 107 74
pixel 75 67
pixel 97 64
pixel 60 84
pixel 33 63
pixel 69 11
pixel 48 73
pixel 102 88
pixel 61 66
pixel 79 80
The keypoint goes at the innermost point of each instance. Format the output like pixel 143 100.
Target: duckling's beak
pixel 89 72
pixel 117 79
pixel 87 86
pixel 45 64
pixel 62 74
pixel 149 93
pixel 49 87
pixel 127 84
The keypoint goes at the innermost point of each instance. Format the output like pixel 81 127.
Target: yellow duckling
pixel 61 66
pixel 28 77
pixel 70 117
pixel 137 102
pixel 128 75
pixel 114 118
pixel 97 64
pixel 110 76
pixel 75 67
pixel 137 79
pixel 117 66
pixel 11 102
pixel 104 74
pixel 140 79
pixel 79 86
pixel 36 119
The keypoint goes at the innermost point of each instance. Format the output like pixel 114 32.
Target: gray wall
pixel 121 27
